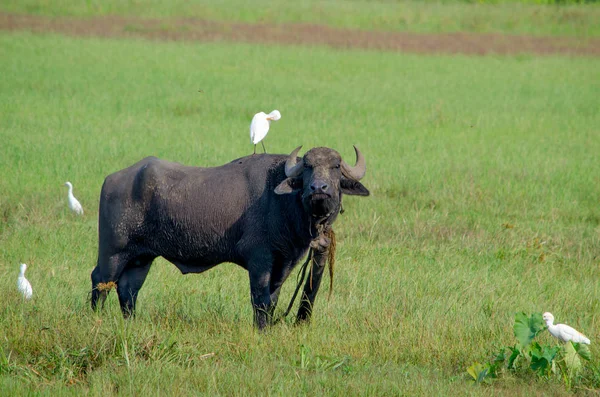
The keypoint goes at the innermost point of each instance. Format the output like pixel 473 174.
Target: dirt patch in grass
pixel 300 34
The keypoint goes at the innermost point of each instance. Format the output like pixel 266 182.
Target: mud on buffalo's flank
pixel 301 34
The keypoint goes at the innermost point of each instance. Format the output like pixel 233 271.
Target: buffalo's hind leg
pixel 131 280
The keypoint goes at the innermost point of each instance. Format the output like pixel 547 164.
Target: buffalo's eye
pixel 307 166
pixel 337 166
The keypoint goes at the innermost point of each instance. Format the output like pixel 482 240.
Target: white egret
pixel 74 204
pixel 23 284
pixel 260 127
pixel 563 332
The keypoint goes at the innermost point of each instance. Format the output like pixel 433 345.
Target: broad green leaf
pixel 514 355
pixel 535 349
pixel 550 352
pixel 572 360
pixel 583 351
pixel 542 358
pixel 538 361
pixel 472 371
pixel 526 328
pixel 498 363
pixel 482 374
pixel 540 365
pixel 478 372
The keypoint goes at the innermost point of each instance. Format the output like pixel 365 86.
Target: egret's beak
pixel 270 118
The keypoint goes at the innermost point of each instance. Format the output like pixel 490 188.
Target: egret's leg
pixel 254 149
pixel 263 145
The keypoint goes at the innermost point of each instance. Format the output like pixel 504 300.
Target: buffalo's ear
pixel 353 188
pixel 289 185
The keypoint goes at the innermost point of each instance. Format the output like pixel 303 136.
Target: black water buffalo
pixel 261 212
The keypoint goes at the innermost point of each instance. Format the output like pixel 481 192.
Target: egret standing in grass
pixel 260 127
pixel 23 284
pixel 74 204
pixel 563 332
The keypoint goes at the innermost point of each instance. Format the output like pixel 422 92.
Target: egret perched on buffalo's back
pixel 563 332
pixel 23 284
pixel 260 127
pixel 74 204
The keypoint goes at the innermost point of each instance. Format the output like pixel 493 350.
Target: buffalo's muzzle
pixel 319 187
pixel 320 196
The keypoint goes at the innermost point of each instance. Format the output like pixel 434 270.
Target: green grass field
pixel 485 187
pixel 505 16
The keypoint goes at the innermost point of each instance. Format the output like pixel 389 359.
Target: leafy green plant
pixel 478 372
pixel 542 358
pixel 526 328
pixel 529 357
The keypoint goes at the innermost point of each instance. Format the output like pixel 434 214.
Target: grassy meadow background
pixel 485 187
pixel 534 17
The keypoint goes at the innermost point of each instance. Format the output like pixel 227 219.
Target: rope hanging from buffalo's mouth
pixel 324 229
pixel 331 258
pixel 329 233
pixel 300 280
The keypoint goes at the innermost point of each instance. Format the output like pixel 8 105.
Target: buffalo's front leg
pixel 312 286
pixel 108 269
pixel 280 272
pixel 130 282
pixel 261 297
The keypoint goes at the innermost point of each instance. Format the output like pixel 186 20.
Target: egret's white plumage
pixel 74 204
pixel 563 332
pixel 23 284
pixel 260 126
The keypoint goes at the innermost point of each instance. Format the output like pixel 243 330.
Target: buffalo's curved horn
pixel 292 168
pixel 360 168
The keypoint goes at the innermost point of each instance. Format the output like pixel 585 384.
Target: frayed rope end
pixel 105 287
pixel 331 259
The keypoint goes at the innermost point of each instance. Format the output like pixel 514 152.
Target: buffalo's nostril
pixel 318 186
